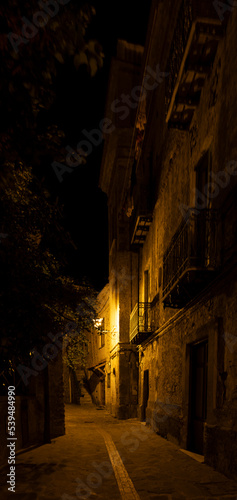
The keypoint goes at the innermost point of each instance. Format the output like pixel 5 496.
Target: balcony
pixel 140 323
pixel 141 229
pixel 196 37
pixel 142 216
pixel 190 261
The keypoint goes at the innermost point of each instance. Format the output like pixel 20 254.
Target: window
pixel 102 334
pixel 203 172
pixel 146 286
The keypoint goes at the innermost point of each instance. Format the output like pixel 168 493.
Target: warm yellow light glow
pixel 117 320
pixel 98 322
pixel 116 325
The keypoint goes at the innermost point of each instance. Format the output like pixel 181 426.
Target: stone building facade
pixel 39 406
pixel 118 357
pixel 169 170
pixel 98 353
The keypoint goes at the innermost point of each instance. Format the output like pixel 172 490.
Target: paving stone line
pixel 125 484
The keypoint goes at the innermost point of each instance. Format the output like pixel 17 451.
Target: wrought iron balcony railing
pixel 190 259
pixel 193 50
pixel 140 322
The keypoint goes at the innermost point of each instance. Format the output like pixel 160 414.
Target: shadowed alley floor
pixel 102 457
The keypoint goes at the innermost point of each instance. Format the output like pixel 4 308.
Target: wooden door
pixel 145 392
pixel 198 395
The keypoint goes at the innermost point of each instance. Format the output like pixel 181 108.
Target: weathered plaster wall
pixel 167 359
pixel 212 316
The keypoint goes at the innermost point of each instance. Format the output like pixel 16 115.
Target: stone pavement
pixel 104 458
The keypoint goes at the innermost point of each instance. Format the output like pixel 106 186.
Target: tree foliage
pixel 37 296
pixel 32 60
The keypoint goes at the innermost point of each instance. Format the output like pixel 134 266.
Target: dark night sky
pixel 80 105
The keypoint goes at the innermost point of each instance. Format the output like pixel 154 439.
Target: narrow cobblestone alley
pixel 102 457
pixel 118 250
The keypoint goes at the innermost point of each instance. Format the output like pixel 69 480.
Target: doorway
pixel 198 395
pixel 102 392
pixel 145 393
pixel 146 299
pixel 146 286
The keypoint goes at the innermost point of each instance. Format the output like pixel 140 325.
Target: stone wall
pixel 33 425
pixel 56 397
pixel 98 352
pixel 212 314
pixel 167 357
pixel 167 173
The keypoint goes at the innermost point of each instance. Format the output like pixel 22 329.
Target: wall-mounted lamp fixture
pixel 99 325
pixel 98 322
